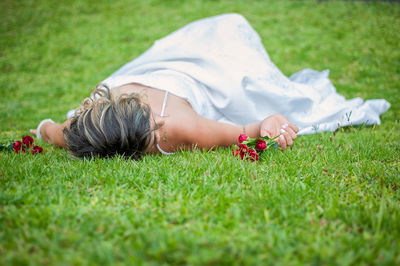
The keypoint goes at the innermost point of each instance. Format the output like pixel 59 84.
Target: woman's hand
pixel 51 132
pixel 277 124
pixel 33 131
pixel 40 132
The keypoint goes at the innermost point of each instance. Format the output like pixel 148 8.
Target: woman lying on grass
pixel 202 86
pixel 128 121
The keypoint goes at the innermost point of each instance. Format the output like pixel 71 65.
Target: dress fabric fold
pixel 221 68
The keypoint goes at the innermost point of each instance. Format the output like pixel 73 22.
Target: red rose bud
pixel 261 145
pixel 242 154
pixel 27 140
pixel 253 155
pixel 242 137
pixel 235 153
pixel 243 150
pixel 36 149
pixel 17 146
pixel 243 147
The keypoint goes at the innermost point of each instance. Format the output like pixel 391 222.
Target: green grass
pixel 200 207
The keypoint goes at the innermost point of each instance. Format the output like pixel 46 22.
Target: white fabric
pixel 221 68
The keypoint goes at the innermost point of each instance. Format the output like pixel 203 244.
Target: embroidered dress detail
pixel 162 115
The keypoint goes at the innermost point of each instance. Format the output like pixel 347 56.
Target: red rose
pixel 242 137
pixel 243 147
pixel 243 150
pixel 253 155
pixel 235 153
pixel 17 146
pixel 27 140
pixel 36 149
pixel 261 145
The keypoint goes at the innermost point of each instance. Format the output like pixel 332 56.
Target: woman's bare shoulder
pixel 177 127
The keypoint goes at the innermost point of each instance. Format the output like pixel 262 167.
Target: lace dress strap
pixel 162 115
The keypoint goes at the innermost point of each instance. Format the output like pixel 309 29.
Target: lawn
pixel 330 199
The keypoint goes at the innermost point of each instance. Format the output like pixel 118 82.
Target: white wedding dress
pixel 221 68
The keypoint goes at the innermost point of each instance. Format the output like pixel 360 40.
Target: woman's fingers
pixel 287 136
pixel 289 140
pixel 282 142
pixel 293 127
pixel 291 133
pixel 33 131
pixel 278 125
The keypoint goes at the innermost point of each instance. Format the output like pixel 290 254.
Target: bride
pixel 202 86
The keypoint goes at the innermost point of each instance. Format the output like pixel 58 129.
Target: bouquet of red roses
pixel 251 148
pixel 24 145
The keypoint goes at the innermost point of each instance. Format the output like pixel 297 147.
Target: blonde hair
pixel 105 126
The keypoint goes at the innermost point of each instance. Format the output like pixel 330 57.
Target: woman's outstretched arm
pixel 53 132
pixel 206 133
